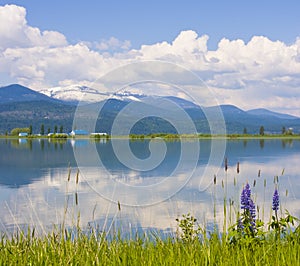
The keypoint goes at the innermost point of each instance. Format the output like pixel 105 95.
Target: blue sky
pixel 148 22
pixel 248 53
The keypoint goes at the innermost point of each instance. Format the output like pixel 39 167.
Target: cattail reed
pixel 258 175
pixel 238 167
pixel 77 176
pixel 69 173
pixel 215 179
pixel 226 164
pixel 119 206
pixel 76 198
pixel 282 173
pixel 254 182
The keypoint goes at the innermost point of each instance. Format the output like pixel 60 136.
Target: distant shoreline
pixel 161 136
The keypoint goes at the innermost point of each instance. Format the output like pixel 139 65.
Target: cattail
pixel 282 171
pixel 69 173
pixel 258 175
pixel 234 181
pixel 226 164
pixel 238 167
pixel 76 198
pixel 254 182
pixel 286 192
pixel 119 206
pixel 77 176
pixel 215 179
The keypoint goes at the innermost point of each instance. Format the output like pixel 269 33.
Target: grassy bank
pixel 92 250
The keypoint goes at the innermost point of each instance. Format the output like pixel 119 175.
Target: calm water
pixel 35 191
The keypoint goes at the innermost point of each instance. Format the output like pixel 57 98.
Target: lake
pixel 140 185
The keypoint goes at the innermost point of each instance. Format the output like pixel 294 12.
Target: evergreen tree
pixel 262 131
pixel 42 132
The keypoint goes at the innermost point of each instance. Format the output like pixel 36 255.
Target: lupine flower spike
pixel 275 205
pixel 248 206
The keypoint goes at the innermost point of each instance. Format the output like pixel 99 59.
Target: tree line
pixel 43 131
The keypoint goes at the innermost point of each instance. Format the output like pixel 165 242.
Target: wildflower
pixel 252 212
pixel 245 197
pixel 248 206
pixel 275 205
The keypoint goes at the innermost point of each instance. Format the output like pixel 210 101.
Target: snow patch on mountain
pixel 77 93
pixel 126 95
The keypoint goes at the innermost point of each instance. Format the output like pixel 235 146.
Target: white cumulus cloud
pixel 16 33
pixel 259 73
pixel 112 44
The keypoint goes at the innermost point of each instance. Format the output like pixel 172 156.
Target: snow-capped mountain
pixel 77 93
pixel 126 95
pixel 74 93
pixel 21 106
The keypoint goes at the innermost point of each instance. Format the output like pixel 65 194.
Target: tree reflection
pixel 262 143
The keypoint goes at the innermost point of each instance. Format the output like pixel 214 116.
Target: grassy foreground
pixel 53 250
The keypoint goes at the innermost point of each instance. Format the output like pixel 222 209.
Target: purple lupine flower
pixel 246 197
pixel 275 205
pixel 252 212
pixel 248 205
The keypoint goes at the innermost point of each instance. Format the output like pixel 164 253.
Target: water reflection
pixel 261 143
pixel 287 142
pixel 34 188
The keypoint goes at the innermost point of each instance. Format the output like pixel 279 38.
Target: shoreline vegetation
pixel 165 136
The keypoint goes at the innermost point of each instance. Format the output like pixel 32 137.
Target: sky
pixel 247 52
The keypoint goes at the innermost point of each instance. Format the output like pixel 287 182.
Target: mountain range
pixel 21 107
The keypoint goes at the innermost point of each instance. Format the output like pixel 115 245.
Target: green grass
pixel 55 249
